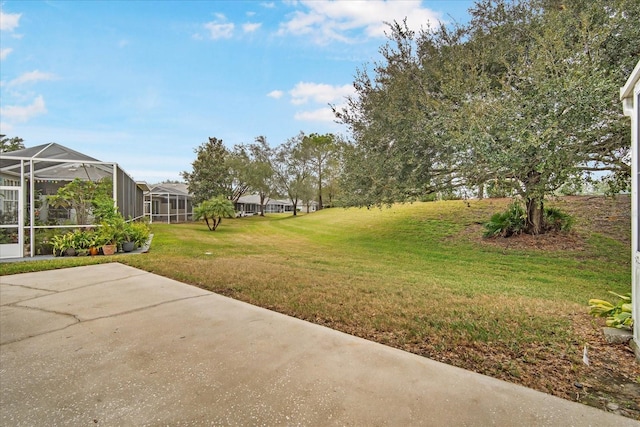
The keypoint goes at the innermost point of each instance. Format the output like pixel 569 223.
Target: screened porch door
pixel 11 222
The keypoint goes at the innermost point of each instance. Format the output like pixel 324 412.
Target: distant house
pixel 169 202
pixel 250 205
pixel 28 176
pixel 630 96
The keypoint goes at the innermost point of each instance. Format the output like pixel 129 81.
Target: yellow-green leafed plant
pixel 618 315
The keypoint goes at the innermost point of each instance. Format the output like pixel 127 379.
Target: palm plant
pixel 213 210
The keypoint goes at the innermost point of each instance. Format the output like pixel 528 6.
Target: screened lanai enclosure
pixel 169 203
pixel 29 176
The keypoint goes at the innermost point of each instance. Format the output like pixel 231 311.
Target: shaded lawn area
pixel 419 277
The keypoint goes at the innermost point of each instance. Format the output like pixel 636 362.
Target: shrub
pixel 507 223
pixel 556 220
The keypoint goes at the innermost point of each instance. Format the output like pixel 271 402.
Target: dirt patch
pixel 612 380
pixel 545 242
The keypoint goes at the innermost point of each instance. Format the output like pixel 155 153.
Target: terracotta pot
pixel 93 251
pixel 109 249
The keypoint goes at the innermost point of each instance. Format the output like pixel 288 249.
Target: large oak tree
pixel 525 94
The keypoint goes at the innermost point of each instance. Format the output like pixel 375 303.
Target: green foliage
pixel 62 242
pixel 11 144
pixel 83 239
pixel 136 232
pixel 86 197
pixel 111 231
pixel 499 188
pixel 210 173
pixel 556 220
pixel 618 315
pixel 293 170
pixel 253 164
pixel 508 223
pixel 213 210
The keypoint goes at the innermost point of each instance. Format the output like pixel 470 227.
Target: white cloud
pixel 250 27
pixel 275 94
pixel 5 52
pixel 31 76
pixel 303 92
pixel 220 29
pixel 15 113
pixel 339 20
pixel 319 115
pixel 268 5
pixel 9 21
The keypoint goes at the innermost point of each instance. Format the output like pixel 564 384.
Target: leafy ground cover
pixel 421 278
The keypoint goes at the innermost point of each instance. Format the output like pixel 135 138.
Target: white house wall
pixel 630 96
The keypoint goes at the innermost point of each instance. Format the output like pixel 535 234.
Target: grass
pixel 404 276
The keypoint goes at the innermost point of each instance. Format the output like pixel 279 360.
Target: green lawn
pixel 414 276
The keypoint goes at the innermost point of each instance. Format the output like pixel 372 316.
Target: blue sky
pixel 144 83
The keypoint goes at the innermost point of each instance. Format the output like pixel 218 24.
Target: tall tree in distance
pixel 210 175
pixel 238 167
pixel 292 170
pixel 319 149
pixel 261 175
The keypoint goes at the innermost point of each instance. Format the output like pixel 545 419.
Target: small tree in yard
pixel 213 210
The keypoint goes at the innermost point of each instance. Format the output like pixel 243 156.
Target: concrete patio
pixel 113 345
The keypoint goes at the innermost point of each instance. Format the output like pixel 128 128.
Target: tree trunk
pixel 216 223
pixel 535 209
pixel 481 191
pixel 319 188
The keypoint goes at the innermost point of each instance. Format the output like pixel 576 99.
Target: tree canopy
pixel 525 94
pixel 292 170
pixel 10 144
pixel 209 176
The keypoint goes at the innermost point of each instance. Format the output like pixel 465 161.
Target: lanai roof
pixel 179 189
pixel 54 161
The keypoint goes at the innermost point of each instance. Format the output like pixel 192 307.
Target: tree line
pixel 303 169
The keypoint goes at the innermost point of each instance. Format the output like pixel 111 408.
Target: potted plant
pixel 82 240
pixel 128 237
pixel 107 240
pixel 64 244
pixel 141 233
pixel 109 236
pixel 92 242
pixel 135 234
